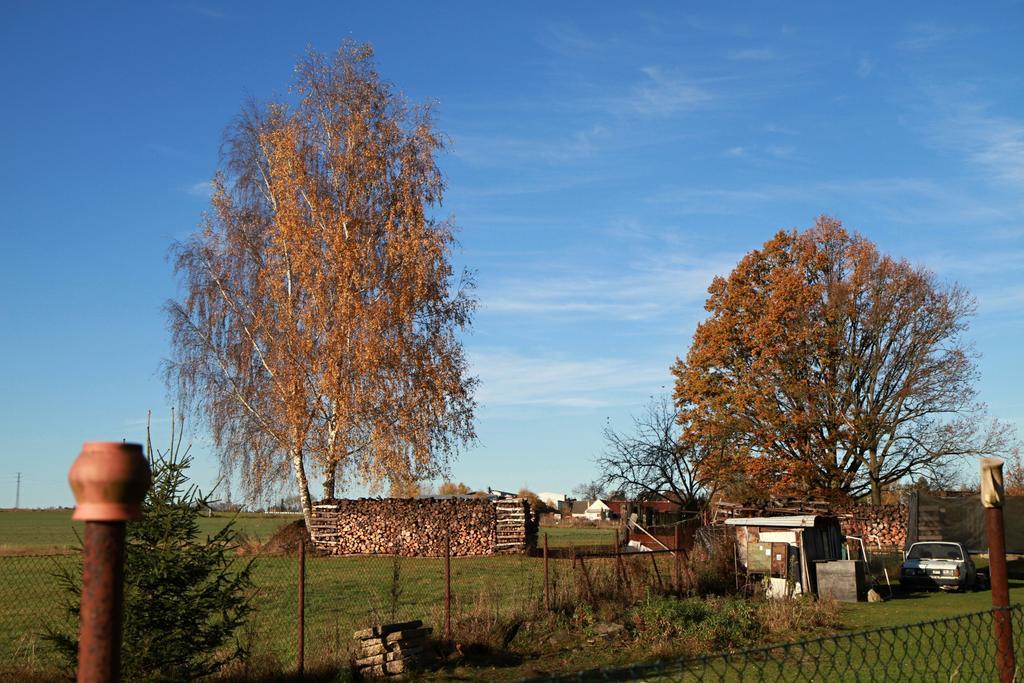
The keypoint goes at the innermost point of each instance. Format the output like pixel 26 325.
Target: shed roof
pixel 788 521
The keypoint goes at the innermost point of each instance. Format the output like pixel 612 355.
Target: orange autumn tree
pixel 827 368
pixel 320 316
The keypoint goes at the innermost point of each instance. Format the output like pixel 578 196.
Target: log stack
pixel 878 525
pixel 391 650
pixel 513 521
pixel 420 527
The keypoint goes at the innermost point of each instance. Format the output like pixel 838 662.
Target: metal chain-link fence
pixel 345 594
pixel 33 600
pixel 960 648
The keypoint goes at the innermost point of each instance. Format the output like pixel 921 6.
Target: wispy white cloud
pixel 512 378
pixel 654 285
pixel 202 189
pixel 143 421
pixel 924 35
pixel 978 261
pixel 568 40
pixel 759 54
pixel 761 153
pixel 866 66
pixel 205 10
pixel 663 93
pixel 962 122
pixel 166 150
pixel 496 150
pixel 903 200
pixel 1003 300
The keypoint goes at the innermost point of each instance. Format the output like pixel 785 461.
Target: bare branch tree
pixel 651 462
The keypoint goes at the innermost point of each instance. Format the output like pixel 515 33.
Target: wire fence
pixel 346 594
pixel 341 595
pixel 960 648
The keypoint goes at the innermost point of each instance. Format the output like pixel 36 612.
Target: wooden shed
pixel 784 549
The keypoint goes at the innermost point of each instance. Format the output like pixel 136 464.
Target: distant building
pixel 598 510
pixel 576 508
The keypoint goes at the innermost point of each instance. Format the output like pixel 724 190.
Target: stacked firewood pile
pixel 391 649
pixel 516 525
pixel 776 507
pixel 421 527
pixel 877 525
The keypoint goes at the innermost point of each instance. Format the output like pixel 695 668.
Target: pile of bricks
pixel 391 649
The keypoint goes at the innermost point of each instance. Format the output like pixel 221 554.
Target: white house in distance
pixel 595 511
pixel 598 510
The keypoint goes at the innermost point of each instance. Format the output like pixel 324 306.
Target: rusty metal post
pixel 575 587
pixel 677 561
pixel 1002 618
pixel 109 481
pixel 300 664
pixel 547 590
pixel 448 586
pixel 586 581
pixel 657 572
pixel 99 636
pixel 618 564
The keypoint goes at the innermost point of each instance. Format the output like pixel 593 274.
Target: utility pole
pixel 17 494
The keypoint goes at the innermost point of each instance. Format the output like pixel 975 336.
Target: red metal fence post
pixel 109 481
pixel 301 656
pixel 618 564
pixel 1002 618
pixel 677 561
pixel 448 586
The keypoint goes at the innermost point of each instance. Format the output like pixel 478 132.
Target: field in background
pixel 24 531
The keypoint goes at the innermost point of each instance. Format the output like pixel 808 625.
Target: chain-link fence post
pixel 109 481
pixel 677 561
pixel 1002 618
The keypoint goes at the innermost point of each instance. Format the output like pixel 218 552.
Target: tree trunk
pixel 304 499
pixel 876 492
pixel 873 470
pixel 329 480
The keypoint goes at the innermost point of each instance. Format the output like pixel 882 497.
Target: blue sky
pixel 606 162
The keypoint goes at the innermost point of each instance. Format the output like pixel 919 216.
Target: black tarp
pixel 962 519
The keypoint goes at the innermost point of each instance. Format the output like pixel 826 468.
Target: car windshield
pixel 938 551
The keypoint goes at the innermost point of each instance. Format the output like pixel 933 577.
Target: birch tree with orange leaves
pixel 832 369
pixel 320 316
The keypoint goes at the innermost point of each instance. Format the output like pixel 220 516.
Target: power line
pixel 17 495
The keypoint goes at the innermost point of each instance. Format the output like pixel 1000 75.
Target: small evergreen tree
pixel 184 596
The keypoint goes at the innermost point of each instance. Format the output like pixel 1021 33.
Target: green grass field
pixel 25 530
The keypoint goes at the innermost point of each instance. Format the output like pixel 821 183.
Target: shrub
pixel 708 624
pixel 184 597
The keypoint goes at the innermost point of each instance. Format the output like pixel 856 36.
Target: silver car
pixel 938 564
